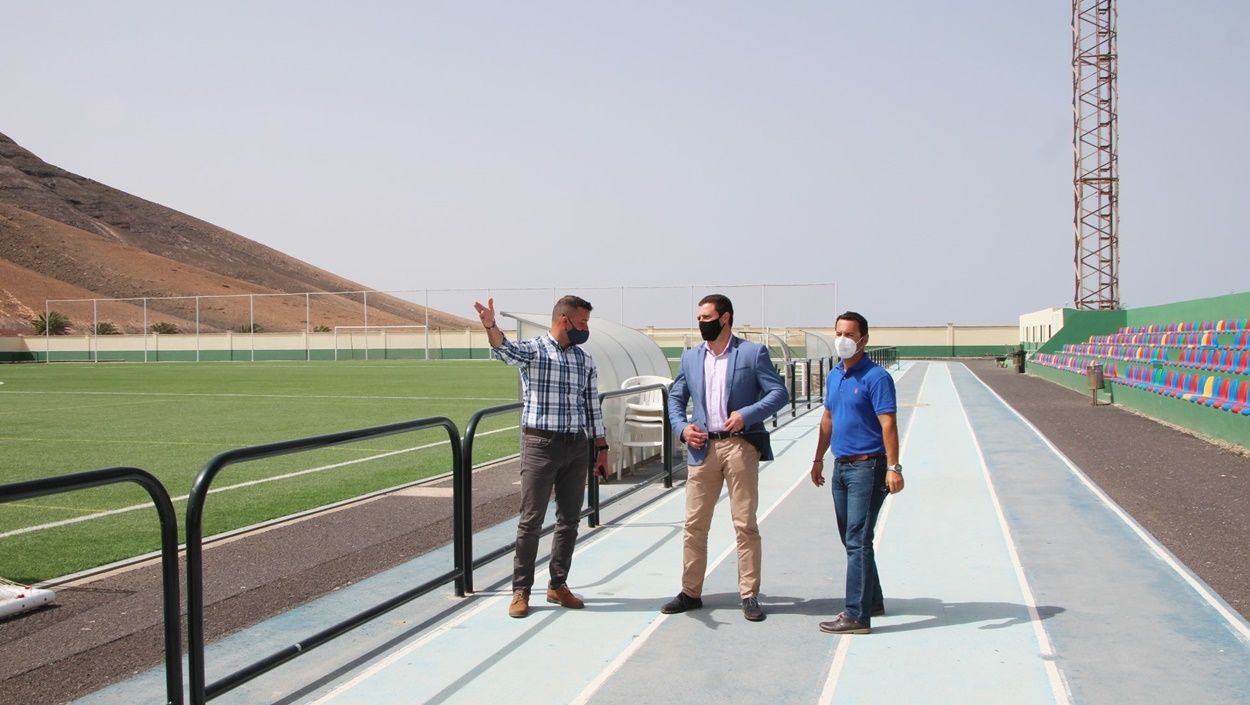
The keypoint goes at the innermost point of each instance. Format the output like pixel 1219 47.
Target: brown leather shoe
pixel 520 606
pixel 564 597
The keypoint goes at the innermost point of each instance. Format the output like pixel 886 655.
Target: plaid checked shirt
pixel 559 387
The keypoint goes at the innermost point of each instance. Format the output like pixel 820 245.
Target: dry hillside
pixel 63 236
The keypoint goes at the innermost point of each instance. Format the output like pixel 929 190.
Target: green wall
pixel 1078 326
pixel 1195 311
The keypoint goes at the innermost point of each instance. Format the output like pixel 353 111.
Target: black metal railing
pixel 666 453
pixel 593 501
pixel 201 691
pixel 464 506
pixel 169 546
pixel 886 356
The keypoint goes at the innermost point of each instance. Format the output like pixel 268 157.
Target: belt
pixel 720 435
pixel 858 458
pixel 554 435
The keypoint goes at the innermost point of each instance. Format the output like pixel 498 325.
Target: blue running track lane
pixel 1008 577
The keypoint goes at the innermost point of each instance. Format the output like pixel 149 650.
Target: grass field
pixel 170 419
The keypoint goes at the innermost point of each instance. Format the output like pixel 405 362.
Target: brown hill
pixel 63 236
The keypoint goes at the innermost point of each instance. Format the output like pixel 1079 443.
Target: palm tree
pixel 51 323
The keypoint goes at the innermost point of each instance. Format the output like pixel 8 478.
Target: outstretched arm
pixel 487 315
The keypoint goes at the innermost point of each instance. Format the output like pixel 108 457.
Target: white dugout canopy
pixel 620 352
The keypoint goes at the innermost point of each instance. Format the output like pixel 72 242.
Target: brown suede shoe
pixel 520 606
pixel 564 597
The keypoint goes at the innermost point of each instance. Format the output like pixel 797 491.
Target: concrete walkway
pixel 1008 577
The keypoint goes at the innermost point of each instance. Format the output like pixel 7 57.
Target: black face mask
pixel 710 330
pixel 575 335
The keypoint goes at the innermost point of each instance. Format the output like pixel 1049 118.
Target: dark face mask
pixel 576 337
pixel 710 330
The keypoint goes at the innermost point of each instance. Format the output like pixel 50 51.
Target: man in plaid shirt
pixel 560 417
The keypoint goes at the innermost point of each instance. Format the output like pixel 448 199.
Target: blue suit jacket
pixel 754 388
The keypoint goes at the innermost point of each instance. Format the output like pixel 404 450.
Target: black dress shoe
pixel 681 603
pixel 843 624
pixel 751 610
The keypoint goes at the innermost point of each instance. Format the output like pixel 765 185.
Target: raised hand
pixel 486 313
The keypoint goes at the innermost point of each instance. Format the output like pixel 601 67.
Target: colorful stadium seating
pixel 1204 362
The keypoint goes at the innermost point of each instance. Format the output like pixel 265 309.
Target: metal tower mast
pixel 1096 181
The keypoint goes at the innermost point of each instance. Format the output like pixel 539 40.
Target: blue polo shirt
pixel 855 398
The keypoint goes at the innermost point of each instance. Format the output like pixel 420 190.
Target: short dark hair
pixel 722 304
pixel 859 320
pixel 568 305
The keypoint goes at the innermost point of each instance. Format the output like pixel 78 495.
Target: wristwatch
pixel 601 447
pixel 897 467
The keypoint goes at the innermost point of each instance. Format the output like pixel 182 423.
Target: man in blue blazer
pixel 734 387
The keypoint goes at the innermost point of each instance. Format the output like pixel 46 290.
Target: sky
pixel 917 153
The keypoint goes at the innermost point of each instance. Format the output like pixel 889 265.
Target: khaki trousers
pixel 735 462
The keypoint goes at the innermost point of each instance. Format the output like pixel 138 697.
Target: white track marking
pixel 844 643
pixel 492 600
pixel 1058 684
pixel 1236 621
pixel 249 483
pixel 598 681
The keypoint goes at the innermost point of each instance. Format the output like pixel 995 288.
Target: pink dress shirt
pixel 715 377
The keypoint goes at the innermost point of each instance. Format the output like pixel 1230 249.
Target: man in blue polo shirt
pixel 860 420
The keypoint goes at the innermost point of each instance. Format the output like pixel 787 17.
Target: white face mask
pixel 845 347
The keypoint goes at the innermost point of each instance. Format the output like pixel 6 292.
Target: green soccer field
pixel 170 419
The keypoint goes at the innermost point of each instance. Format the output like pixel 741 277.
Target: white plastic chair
pixel 648 403
pixel 642 424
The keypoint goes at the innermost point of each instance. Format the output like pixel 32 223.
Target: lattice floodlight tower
pixel 1096 183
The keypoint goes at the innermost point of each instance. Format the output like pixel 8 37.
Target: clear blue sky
pixel 916 152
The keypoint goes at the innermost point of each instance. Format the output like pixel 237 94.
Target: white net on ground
pixel 16 598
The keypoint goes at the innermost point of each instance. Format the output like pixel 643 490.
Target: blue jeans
pixel 858 493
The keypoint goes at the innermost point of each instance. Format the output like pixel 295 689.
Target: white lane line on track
pixel 1058 684
pixel 1235 621
pixel 497 599
pixel 844 642
pixel 249 483
pixel 616 663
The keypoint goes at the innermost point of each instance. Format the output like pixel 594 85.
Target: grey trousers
pixel 560 463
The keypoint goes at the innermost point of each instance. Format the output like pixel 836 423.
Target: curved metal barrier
pixel 886 356
pixel 169 546
pixel 592 481
pixel 464 506
pixel 200 691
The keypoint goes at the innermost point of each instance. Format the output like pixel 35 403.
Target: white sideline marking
pixel 1234 620
pixel 249 483
pixel 1058 685
pixel 844 644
